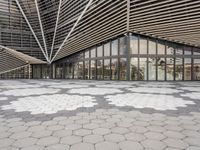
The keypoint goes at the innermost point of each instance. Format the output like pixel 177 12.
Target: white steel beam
pixel 77 21
pixel 41 27
pixel 18 4
pixel 56 26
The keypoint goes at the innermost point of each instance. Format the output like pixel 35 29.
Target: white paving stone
pixel 158 102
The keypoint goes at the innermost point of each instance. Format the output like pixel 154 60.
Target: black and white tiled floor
pixel 99 115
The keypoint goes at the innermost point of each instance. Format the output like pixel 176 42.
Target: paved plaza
pixel 99 115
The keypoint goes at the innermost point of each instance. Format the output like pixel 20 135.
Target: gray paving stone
pixel 55 127
pixel 66 122
pixel 57 147
pixel 138 129
pixel 91 126
pixel 153 144
pixel 5 134
pixel 174 134
pixel 82 146
pixel 114 137
pixel 33 123
pixel 37 128
pixel 25 142
pixel 173 128
pixel 62 133
pixel 46 141
pixel 135 136
pixel 50 123
pixel 154 135
pixel 18 129
pixel 40 134
pixel 193 141
pixel 82 132
pixel 101 131
pixel 130 145
pixel 73 126
pixel 193 148
pixel 21 135
pixel 107 146
pixel 175 143
pixel 120 130
pixel 5 142
pixel 156 128
pixel 93 139
pixel 191 133
pixel 33 147
pixel 15 124
pixel 71 140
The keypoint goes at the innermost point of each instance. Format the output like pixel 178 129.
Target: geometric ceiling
pixel 63 27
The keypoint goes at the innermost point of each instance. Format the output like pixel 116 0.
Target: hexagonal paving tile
pixel 101 131
pixel 71 140
pixel 24 142
pixel 107 146
pixel 114 137
pixel 82 146
pixel 135 136
pixel 46 141
pixel 130 145
pixel 154 135
pixel 175 143
pixel 153 144
pixel 93 139
pixel 82 132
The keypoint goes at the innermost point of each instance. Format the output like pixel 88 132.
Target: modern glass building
pixel 100 40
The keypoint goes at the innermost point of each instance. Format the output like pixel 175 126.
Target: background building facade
pixel 99 39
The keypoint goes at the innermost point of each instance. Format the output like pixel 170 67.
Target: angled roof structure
pixel 52 29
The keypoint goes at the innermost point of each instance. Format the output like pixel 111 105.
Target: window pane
pixel 161 69
pixel 152 46
pixel 179 69
pixel 107 49
pixel 80 70
pixel 87 66
pixel 100 51
pixel 87 54
pixel 161 47
pixel 143 46
pixel 134 44
pixel 179 50
pixel 187 50
pixel 134 69
pixel 152 68
pixel 170 49
pixel 106 69
pixel 187 69
pixel 76 70
pixel 143 69
pixel 170 69
pixel 115 47
pixel 93 53
pixel 93 70
pixel 196 68
pixel 122 44
pixel 123 68
pixel 99 69
pixel 196 51
pixel 114 69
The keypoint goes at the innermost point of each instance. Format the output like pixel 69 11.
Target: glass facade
pixel 134 57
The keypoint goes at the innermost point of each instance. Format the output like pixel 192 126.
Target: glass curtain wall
pixel 144 59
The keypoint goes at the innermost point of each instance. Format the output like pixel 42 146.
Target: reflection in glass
pixel 71 70
pixel 76 70
pixel 179 50
pixel 107 71
pixel 196 51
pixel 107 49
pixel 115 47
pixel 170 69
pixel 143 45
pixel 87 68
pixel 122 46
pixel 87 54
pixel 80 70
pixel 92 69
pixel 161 68
pixel 123 65
pixel 179 69
pixel 161 47
pixel 134 44
pixel 170 49
pixel 134 69
pixel 152 68
pixel 99 51
pixel 93 53
pixel 99 69
pixel 152 46
pixel 187 69
pixel 114 69
pixel 196 69
pixel 143 69
pixel 187 50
